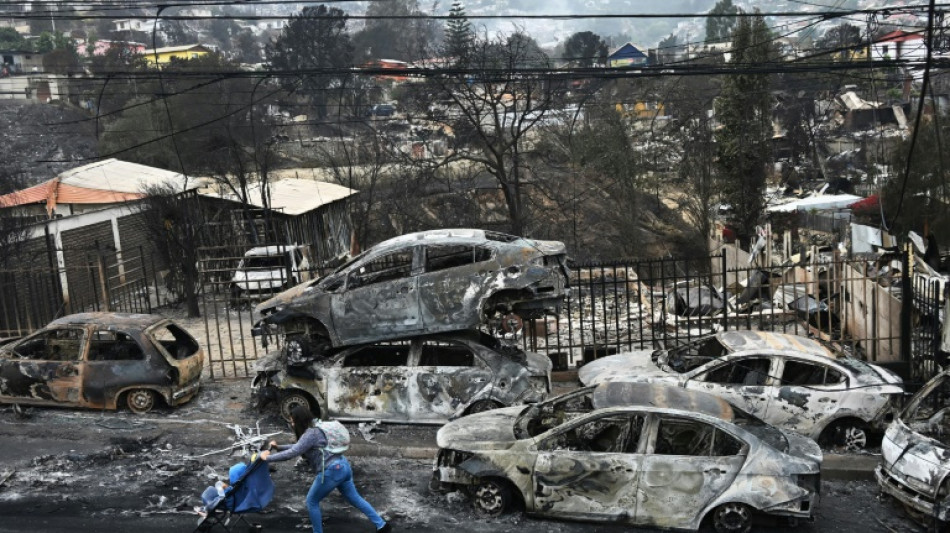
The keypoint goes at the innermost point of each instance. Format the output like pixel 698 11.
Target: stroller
pixel 248 494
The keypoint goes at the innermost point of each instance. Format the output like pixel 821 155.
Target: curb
pixel 835 467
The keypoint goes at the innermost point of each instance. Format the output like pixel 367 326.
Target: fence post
pixel 103 282
pixel 725 291
pixel 907 304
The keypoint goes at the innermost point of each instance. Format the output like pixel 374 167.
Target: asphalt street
pixel 65 470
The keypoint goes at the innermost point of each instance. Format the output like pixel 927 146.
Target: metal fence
pixel 32 296
pixel 856 305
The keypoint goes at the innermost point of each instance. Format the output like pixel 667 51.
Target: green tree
pixel 459 37
pixel 10 39
pixel 384 37
pixel 720 25
pixel 841 37
pixel 585 48
pixel 313 41
pixel 744 111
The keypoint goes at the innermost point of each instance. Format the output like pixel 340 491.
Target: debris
pixel 367 429
pixel 249 440
pixel 6 476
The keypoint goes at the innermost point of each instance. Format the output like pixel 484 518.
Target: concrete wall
pixel 31 87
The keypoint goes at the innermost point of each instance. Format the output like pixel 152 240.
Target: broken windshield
pixel 540 417
pixel 691 355
pixel 928 409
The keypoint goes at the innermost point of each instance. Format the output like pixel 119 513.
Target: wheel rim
pixel 489 498
pixel 288 404
pixel 141 401
pixel 733 517
pixel 854 439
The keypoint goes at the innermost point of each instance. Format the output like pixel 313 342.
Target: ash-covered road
pixel 105 471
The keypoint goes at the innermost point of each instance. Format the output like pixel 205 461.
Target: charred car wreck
pixel 915 463
pixel 788 381
pixel 428 282
pixel 643 454
pixel 102 361
pixel 427 379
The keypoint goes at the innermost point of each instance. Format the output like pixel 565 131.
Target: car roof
pixel 440 236
pixel 623 394
pixel 270 250
pixel 735 341
pixel 134 320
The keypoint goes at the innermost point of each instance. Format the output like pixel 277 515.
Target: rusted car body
pixel 915 465
pixel 643 454
pixel 788 381
pixel 102 361
pixel 428 282
pixel 425 379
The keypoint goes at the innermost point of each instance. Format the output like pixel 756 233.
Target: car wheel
pixel 481 406
pixel 491 497
pixel 292 399
pixel 846 435
pixel 732 518
pixel 140 401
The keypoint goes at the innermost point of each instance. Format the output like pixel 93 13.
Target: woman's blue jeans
pixel 338 476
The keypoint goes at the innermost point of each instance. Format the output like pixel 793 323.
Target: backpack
pixel 338 438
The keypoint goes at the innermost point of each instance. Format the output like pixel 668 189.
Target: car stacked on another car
pixel 788 381
pixel 102 361
pixel 426 282
pixel 643 454
pixel 393 334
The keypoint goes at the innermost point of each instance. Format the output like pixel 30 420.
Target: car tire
pixel 845 435
pixel 491 497
pixel 140 401
pixel 481 406
pixel 732 518
pixel 291 399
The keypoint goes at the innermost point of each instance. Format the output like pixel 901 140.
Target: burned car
pixel 915 466
pixel 428 282
pixel 427 379
pixel 788 381
pixel 643 454
pixel 102 361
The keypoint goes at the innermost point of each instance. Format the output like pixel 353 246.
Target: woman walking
pixel 332 469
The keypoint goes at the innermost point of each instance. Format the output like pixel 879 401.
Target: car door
pixel 589 468
pixel 380 299
pixel 452 283
pixel 448 376
pixel 46 367
pixel 115 361
pixel 370 382
pixel 743 382
pixel 687 464
pixel 807 393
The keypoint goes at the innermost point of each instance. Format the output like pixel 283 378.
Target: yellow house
pixel 164 56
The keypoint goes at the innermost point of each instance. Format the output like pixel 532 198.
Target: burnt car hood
pixel 284 298
pixel 627 366
pixel 491 430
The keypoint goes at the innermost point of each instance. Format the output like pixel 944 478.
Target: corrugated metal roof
pixel 292 196
pixel 52 192
pixel 123 176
